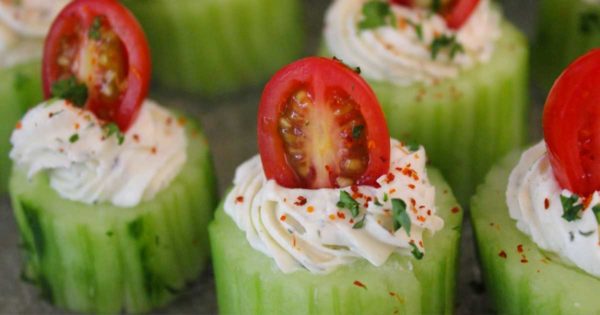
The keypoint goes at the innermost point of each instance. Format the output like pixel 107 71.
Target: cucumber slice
pixel 566 30
pixel 248 282
pixel 21 88
pixel 465 123
pixel 537 285
pixel 216 46
pixel 105 259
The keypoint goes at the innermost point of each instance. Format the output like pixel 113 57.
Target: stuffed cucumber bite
pixel 112 192
pixel 559 43
pixel 214 47
pixel 333 216
pixel 23 25
pixel 540 247
pixel 450 75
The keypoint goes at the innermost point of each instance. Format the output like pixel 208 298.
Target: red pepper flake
pixel 413 202
pixel 428 212
pixel 389 178
pixel 239 199
pixel 153 150
pixel 341 215
pixel 282 218
pixel 421 244
pixel 77 126
pixel 546 203
pixel 181 121
pixel 332 217
pixel 310 209
pixel 421 218
pixel 502 254
pixel 393 190
pixel 19 125
pixel 520 248
pixel 359 284
pixel 300 201
pixel 524 260
pixel 169 121
pixel 293 241
pixel 411 186
pixel 455 210
pixel 408 171
pixel 136 137
pixel 354 188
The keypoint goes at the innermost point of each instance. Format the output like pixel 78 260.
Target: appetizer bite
pixel 112 193
pixel 215 47
pixel 566 29
pixel 23 25
pixel 540 248
pixel 450 75
pixel 333 216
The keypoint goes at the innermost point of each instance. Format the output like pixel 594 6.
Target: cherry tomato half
pixel 100 43
pixel 455 12
pixel 571 127
pixel 320 126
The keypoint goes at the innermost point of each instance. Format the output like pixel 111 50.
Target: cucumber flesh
pixel 531 282
pixel 20 89
pixel 248 282
pixel 468 122
pixel 105 259
pixel 215 46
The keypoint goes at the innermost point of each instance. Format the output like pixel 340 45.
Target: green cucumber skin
pixel 559 43
pixel 248 282
pixel 20 88
pixel 540 286
pixel 212 47
pixel 105 259
pixel 468 122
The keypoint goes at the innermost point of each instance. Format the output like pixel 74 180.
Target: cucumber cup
pixel 249 282
pixel 105 259
pixel 566 30
pixel 21 87
pixel 521 278
pixel 212 47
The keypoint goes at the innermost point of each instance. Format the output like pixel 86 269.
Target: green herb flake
pixel 377 203
pixel 596 210
pixel 357 131
pixel 412 146
pixel 586 234
pixel 74 138
pixel 112 129
pixel 347 202
pixel 400 216
pixel 449 43
pixel 416 252
pixel 360 224
pixel 570 208
pixel 385 197
pixel 94 31
pixel 70 90
pixel 376 13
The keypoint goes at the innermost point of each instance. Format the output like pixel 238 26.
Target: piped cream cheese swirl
pixel 534 201
pixel 396 53
pixel 85 164
pixel 301 228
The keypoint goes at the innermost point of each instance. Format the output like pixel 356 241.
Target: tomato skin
pixel 319 75
pixel 456 13
pixel 571 128
pixel 74 21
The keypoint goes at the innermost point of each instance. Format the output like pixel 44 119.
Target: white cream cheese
pixel 396 53
pixel 85 164
pixel 301 228
pixel 533 198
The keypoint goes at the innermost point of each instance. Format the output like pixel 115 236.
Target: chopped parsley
pixel 596 210
pixel 586 234
pixel 71 90
pixel 413 146
pixel 589 22
pixel 385 197
pixel 94 31
pixel 347 202
pixel 376 13
pixel 450 43
pixel 400 216
pixel 112 129
pixel 377 203
pixel 416 252
pixel 418 29
pixel 74 138
pixel 570 207
pixel 357 131
pixel 360 224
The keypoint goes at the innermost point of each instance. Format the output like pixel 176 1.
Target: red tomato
pixel 571 127
pixel 100 43
pixel 320 126
pixel 455 12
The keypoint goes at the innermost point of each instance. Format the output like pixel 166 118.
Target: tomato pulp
pixel 99 43
pixel 320 126
pixel 455 12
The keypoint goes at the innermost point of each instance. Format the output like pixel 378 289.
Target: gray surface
pixel 230 126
